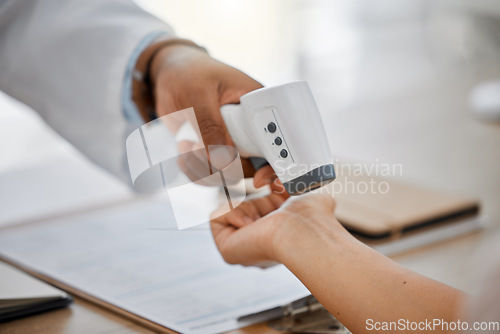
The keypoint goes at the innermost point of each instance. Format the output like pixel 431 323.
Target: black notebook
pixel 22 294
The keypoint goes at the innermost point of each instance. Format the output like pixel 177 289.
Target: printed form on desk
pixel 133 257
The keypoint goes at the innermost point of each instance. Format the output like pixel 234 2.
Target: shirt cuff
pixel 130 111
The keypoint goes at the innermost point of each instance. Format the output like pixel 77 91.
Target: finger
pixel 250 210
pixel 207 109
pixel 221 156
pixel 194 164
pixel 264 176
pixel 267 204
pixel 221 232
pixel 247 246
pixel 267 176
pixel 214 132
pixel 278 188
pixel 237 217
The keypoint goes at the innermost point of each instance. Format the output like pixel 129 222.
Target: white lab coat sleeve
pixel 71 61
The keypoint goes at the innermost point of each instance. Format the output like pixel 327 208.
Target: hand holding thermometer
pixel 282 124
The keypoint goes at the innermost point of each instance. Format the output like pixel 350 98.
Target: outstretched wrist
pixel 315 235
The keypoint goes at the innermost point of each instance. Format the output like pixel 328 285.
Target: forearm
pixel 355 283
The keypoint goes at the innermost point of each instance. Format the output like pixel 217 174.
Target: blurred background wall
pixel 356 51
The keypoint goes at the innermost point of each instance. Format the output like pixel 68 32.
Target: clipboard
pixel 305 315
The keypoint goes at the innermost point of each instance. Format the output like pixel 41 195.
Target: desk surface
pixel 84 317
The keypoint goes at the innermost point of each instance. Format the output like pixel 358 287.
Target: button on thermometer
pixel 271 127
pixel 282 124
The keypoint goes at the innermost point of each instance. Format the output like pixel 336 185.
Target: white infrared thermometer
pixel 282 125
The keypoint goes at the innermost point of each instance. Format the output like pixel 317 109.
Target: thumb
pixel 213 130
pixel 264 176
pixel 212 127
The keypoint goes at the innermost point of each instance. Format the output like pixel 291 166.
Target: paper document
pixel 135 258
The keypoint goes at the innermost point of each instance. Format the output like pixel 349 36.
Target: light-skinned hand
pixel 260 230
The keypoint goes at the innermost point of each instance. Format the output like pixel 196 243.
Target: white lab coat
pixel 67 59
